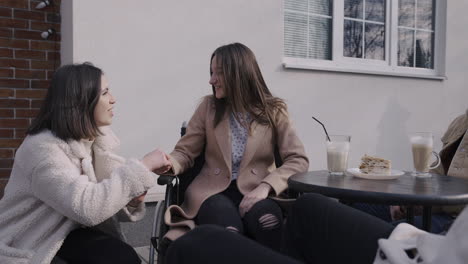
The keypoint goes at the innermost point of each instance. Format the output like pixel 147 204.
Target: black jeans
pixel 440 222
pixel 319 230
pixel 263 222
pixel 90 246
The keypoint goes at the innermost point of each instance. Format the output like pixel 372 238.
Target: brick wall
pixel 27 63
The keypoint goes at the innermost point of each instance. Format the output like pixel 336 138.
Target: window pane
pixel 322 7
pixel 320 38
pixel 406 13
pixel 296 5
pixel 374 41
pixel 375 10
pixel 424 51
pixel 352 46
pixel 405 47
pixel 353 8
pixel 295 35
pixel 424 14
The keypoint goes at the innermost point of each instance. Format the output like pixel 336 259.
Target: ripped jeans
pixel 263 223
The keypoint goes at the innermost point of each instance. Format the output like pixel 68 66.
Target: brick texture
pixel 27 62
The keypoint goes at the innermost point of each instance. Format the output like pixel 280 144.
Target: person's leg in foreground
pixel 320 230
pixel 87 245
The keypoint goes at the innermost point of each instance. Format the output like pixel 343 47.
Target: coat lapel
pixel 255 138
pixel 223 137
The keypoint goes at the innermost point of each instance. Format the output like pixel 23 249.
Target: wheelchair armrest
pixel 165 179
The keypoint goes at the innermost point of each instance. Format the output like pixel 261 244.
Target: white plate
pixel 393 174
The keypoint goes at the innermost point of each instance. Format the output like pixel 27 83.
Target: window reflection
pixel 375 42
pixel 352 39
pixel 424 14
pixel 406 13
pixel 416 33
pixel 405 48
pixel 353 8
pixel 364 38
pixel 375 10
pixel 424 43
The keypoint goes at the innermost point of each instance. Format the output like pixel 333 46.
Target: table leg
pixel 427 218
pixel 410 214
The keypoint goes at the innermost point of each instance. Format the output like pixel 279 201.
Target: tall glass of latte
pixel 421 145
pixel 337 154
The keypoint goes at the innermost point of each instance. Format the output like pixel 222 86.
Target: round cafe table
pixel 405 190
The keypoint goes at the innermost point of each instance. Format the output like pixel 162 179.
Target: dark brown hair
pixel 68 109
pixel 246 91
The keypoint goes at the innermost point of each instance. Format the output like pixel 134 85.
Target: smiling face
pixel 217 79
pixel 103 112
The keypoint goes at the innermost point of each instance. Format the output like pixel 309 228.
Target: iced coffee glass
pixel 421 146
pixel 337 154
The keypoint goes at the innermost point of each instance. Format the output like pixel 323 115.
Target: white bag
pixel 408 245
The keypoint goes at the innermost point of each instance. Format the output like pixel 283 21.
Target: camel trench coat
pixel 257 165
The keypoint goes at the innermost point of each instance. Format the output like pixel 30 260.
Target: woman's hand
pixel 258 194
pixel 135 202
pixel 157 161
pixel 164 168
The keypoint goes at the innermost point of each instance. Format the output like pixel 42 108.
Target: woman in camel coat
pixel 239 125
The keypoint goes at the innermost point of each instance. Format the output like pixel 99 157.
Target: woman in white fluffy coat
pixel 66 179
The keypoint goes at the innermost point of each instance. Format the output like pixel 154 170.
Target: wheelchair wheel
pixel 158 230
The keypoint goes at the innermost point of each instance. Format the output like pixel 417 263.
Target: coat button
pixel 217 171
pixel 254 171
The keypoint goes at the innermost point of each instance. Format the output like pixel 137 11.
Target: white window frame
pixel 389 66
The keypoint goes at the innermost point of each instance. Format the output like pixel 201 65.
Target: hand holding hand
pixel 157 161
pixel 164 168
pixel 256 195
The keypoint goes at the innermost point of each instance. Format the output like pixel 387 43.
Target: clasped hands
pixel 157 161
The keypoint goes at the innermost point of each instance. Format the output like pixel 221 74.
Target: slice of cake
pixel 374 165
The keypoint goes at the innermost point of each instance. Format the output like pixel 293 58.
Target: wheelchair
pixel 175 190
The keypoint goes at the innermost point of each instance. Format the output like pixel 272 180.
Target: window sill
pixel 367 69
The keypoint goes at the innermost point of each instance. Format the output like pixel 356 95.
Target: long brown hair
pixel 246 91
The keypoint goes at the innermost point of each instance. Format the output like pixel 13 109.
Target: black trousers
pixel 90 246
pixel 319 230
pixel 223 210
pixel 440 221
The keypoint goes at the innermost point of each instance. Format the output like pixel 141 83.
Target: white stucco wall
pixel 156 55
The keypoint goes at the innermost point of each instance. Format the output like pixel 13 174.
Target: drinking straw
pixel 326 133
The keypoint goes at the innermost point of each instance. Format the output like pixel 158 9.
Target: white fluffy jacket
pixel 54 188
pixel 427 248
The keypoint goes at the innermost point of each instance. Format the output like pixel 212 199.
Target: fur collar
pixel 76 150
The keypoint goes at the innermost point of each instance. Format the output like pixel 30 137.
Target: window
pixel 364 29
pixel 416 33
pixel 390 37
pixel 307 29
